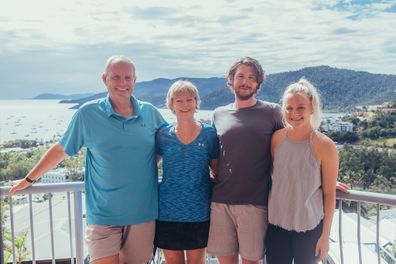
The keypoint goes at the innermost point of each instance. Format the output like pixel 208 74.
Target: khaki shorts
pixel 237 229
pixel 133 243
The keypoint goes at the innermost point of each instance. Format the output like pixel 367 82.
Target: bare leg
pixel 228 259
pixel 107 260
pixel 245 261
pixel 174 256
pixel 196 256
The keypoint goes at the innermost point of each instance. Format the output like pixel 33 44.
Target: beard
pixel 244 96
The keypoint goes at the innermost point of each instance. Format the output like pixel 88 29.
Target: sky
pixel 59 46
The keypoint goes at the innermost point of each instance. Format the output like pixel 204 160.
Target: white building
pixel 54 176
pixel 336 125
pixel 343 126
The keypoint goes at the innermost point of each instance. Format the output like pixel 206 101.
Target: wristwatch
pixel 29 180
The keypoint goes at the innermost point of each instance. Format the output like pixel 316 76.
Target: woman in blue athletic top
pixel 188 148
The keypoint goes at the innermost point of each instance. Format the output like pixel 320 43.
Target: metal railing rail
pixel 368 197
pixel 364 197
pixel 76 188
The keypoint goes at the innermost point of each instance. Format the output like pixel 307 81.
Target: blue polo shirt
pixel 120 171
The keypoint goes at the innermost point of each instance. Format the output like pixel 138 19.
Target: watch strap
pixel 29 180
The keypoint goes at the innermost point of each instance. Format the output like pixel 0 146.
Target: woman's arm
pixel 328 156
pixel 343 187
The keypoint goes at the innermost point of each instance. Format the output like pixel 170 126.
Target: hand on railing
pixel 18 185
pixel 343 187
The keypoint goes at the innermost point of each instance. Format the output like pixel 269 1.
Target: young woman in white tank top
pixel 302 198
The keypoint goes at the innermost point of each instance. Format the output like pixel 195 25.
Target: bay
pixel 48 119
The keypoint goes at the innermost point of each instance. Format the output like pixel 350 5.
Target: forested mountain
pixel 340 89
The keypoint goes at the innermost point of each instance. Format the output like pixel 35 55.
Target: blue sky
pixel 61 46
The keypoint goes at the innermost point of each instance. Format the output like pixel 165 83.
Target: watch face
pixel 29 180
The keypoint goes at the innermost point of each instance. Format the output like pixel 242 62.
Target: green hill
pixel 340 89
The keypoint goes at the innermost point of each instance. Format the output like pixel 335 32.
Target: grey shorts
pixel 133 243
pixel 237 229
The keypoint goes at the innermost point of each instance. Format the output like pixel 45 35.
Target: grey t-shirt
pixel 245 156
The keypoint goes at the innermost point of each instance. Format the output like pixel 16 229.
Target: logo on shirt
pixel 201 144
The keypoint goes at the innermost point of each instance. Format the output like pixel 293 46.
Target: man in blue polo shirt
pixel 120 175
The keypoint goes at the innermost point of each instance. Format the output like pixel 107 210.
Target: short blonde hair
pixel 303 86
pixel 181 87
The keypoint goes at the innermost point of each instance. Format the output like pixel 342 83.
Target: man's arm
pixel 213 165
pixel 49 160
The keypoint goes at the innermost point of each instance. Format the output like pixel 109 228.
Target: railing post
pixel 358 232
pixel 70 229
pixel 78 224
pixel 340 231
pixel 1 231
pixel 51 220
pixel 32 229
pixel 377 244
pixel 12 230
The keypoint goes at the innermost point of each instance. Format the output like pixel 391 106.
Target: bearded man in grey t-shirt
pixel 239 204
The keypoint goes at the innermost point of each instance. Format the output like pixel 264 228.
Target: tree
pixel 20 246
pixel 382 184
pixel 7 249
pixel 363 166
pixel 75 166
pixel 382 126
pixel 343 136
pixel 16 164
pixel 21 252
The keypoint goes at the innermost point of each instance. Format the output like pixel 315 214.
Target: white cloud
pixel 189 38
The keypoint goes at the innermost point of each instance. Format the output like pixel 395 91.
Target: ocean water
pixel 46 119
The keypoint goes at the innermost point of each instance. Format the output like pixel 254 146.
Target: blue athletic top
pixel 120 174
pixel 185 190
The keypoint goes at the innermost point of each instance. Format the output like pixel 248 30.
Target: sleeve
pixel 212 121
pixel 73 139
pixel 159 140
pixel 158 120
pixel 214 140
pixel 278 119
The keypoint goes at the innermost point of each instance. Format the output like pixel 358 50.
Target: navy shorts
pixel 181 235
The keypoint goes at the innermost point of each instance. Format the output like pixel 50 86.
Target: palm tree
pixel 20 247
pixel 19 240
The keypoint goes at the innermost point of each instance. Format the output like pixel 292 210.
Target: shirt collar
pixel 110 111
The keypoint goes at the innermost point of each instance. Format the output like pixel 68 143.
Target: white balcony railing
pixel 65 198
pixel 73 191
